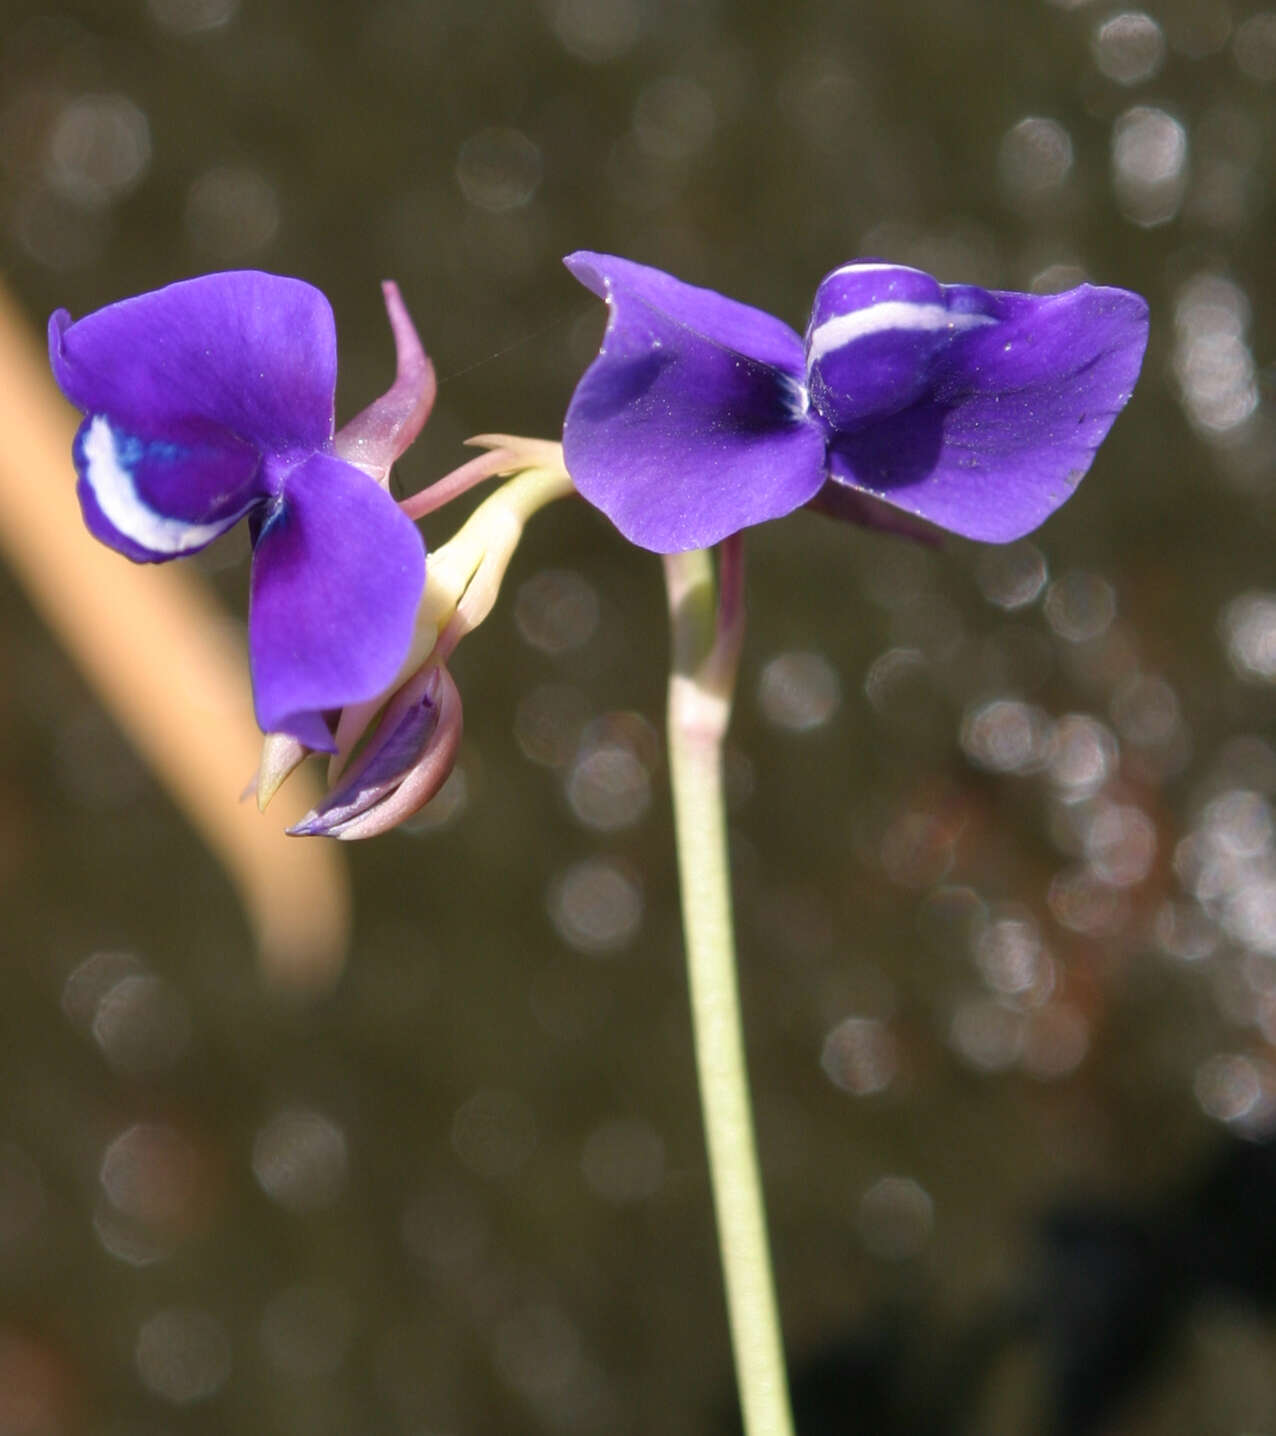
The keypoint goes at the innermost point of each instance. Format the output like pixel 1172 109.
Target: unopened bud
pixel 403 765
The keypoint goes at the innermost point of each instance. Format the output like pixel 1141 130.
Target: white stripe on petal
pixel 116 494
pixel 889 314
pixel 872 266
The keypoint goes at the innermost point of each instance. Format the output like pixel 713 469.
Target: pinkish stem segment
pixel 503 455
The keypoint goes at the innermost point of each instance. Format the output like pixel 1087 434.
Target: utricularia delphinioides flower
pixel 212 400
pixel 976 410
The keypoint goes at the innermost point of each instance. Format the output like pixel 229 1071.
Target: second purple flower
pixel 976 410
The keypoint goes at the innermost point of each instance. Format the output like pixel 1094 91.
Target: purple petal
pixel 374 439
pixel 1014 417
pixel 876 333
pixel 337 574
pixel 406 761
pixel 156 499
pixel 253 353
pixel 748 331
pixel 691 423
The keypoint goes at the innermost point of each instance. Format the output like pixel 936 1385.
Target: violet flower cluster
pixel 212 401
pixel 975 410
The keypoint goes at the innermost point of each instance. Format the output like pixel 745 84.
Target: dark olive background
pixel 485 1206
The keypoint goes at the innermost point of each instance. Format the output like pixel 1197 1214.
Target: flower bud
pixel 402 766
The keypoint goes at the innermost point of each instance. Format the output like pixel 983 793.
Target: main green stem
pixel 707 632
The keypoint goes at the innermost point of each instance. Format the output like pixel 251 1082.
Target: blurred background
pixel 1003 823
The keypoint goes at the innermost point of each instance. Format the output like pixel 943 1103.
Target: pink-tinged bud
pixel 374 439
pixel 403 765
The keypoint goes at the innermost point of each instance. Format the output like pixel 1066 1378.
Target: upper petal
pixel 691 423
pixel 748 331
pixel 1013 416
pixel 253 353
pixel 337 574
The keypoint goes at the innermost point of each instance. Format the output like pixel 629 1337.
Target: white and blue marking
pixel 107 464
pixel 875 330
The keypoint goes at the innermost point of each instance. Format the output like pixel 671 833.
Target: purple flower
pixel 212 400
pixel 976 410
